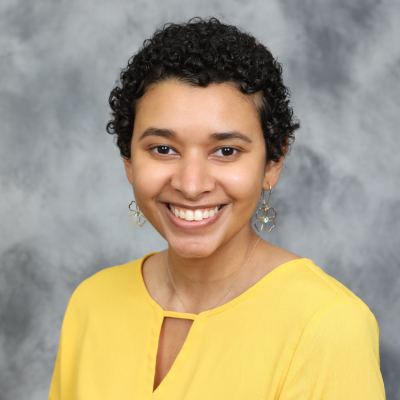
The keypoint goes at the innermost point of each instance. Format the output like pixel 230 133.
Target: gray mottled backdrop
pixel 64 195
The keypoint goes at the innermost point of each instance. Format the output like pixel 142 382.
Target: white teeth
pixel 189 215
pixel 193 215
pixel 198 215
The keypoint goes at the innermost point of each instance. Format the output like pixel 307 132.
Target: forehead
pixel 184 108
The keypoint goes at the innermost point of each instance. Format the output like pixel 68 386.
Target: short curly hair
pixel 199 53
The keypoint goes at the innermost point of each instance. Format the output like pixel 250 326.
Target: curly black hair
pixel 201 52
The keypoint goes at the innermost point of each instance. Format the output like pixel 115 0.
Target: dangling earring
pixel 262 221
pixel 139 215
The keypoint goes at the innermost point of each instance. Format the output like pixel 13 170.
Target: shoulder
pixel 108 286
pixel 345 308
pixel 299 288
pixel 339 324
pixel 325 287
pixel 309 294
pixel 309 280
pixel 336 336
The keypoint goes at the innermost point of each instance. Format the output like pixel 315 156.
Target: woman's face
pixel 195 149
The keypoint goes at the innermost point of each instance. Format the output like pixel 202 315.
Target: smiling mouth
pixel 194 215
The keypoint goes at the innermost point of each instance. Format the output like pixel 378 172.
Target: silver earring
pixel 262 217
pixel 138 214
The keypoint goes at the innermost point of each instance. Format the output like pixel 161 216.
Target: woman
pixel 203 123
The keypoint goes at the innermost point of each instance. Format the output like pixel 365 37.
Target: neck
pixel 202 282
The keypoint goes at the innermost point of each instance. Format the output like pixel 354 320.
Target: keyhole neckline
pixel 168 313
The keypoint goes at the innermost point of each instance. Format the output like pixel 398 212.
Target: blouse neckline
pixel 217 310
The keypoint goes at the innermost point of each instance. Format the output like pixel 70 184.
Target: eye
pixel 165 150
pixel 226 152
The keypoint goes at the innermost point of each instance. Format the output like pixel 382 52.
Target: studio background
pixel 64 195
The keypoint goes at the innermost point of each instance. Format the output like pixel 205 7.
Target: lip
pixel 192 225
pixel 197 207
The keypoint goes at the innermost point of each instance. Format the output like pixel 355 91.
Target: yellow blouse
pixel 296 334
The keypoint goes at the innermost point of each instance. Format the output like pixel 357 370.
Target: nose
pixel 192 176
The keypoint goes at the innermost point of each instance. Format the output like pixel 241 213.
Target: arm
pixel 62 382
pixel 55 393
pixel 337 357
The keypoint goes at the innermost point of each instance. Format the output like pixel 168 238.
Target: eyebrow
pixel 158 132
pixel 230 136
pixel 216 136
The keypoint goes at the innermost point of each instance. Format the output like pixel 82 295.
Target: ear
pixel 273 171
pixel 128 169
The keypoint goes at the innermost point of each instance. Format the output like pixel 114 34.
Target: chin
pixel 194 247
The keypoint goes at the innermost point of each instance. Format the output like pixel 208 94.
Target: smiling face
pixel 198 164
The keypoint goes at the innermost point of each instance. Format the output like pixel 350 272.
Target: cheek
pixel 244 184
pixel 148 179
